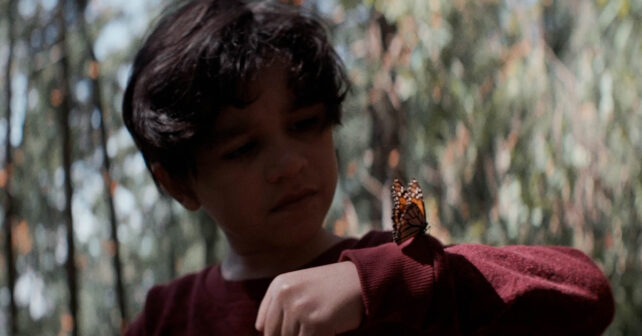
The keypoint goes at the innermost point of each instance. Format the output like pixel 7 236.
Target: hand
pixel 323 300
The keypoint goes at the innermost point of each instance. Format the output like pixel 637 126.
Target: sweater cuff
pixel 396 280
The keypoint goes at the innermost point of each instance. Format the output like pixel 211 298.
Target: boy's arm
pixel 477 288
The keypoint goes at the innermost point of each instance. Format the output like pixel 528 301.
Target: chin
pixel 297 232
pixel 299 225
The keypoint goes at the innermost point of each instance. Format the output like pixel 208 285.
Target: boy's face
pixel 269 177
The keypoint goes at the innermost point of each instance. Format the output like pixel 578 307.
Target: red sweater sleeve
pixel 480 289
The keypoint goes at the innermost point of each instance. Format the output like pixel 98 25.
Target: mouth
pixel 293 199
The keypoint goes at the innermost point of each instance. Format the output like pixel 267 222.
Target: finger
pixel 307 330
pixel 290 325
pixel 273 320
pixel 260 317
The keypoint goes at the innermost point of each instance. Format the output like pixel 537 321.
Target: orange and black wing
pixel 415 195
pixel 413 222
pixel 408 214
pixel 399 203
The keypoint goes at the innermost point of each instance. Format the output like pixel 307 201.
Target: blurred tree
pixel 521 120
pixel 384 110
pixel 512 111
pixel 61 98
pixel 97 102
pixel 7 176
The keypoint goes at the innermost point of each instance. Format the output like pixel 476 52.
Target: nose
pixel 284 161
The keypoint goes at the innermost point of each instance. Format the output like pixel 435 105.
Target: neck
pixel 273 261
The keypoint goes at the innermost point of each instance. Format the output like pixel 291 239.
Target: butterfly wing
pixel 415 195
pixel 413 222
pixel 409 214
pixel 399 203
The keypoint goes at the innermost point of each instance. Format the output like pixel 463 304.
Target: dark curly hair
pixel 200 58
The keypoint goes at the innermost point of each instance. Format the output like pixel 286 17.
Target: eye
pixel 306 124
pixel 241 151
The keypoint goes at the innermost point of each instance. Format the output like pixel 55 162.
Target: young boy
pixel 232 106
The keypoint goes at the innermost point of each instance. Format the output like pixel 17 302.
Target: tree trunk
pixel 64 109
pixel 386 113
pixel 8 169
pixel 98 103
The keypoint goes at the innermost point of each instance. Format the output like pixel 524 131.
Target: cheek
pixel 327 161
pixel 233 202
pixel 237 218
pixel 331 167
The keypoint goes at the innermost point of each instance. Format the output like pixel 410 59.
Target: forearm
pixel 535 288
pixel 469 288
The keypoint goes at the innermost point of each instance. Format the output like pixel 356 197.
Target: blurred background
pixel 521 120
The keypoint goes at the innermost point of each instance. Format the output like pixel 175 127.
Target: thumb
pixel 260 318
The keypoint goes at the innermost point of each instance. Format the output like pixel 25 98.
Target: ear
pixel 179 189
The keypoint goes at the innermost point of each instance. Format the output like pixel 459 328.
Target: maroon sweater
pixel 417 288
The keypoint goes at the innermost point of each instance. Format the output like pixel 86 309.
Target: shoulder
pixel 171 303
pixel 177 292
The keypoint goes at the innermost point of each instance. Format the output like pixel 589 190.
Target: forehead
pixel 268 92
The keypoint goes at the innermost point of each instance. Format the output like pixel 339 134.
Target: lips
pixel 292 199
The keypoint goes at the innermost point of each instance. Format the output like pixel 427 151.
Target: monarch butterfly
pixel 408 211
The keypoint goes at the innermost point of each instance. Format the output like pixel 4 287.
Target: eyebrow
pixel 230 132
pixel 242 127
